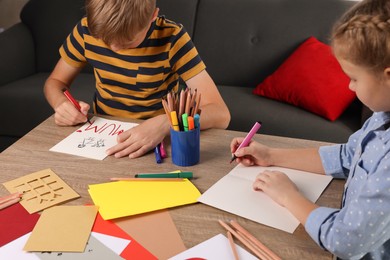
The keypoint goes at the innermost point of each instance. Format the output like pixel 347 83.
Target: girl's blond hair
pixel 362 35
pixel 118 21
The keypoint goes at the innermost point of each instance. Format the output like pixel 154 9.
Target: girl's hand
pixel 276 185
pixel 253 154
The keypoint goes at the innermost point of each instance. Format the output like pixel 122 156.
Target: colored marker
pixel 185 121
pixel 247 139
pixel 157 154
pixel 74 102
pixel 196 120
pixel 191 124
pixel 175 123
pixel 162 150
pixel 176 175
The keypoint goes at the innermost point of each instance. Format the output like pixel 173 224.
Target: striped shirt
pixel 130 83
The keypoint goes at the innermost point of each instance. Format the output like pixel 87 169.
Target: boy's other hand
pixel 139 140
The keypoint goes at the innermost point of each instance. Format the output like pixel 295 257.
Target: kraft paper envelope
pixel 155 231
pixel 62 229
pixel 41 190
pixel 126 198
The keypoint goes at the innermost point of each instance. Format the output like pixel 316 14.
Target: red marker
pixel 74 102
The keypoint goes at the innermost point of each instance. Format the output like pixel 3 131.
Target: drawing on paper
pixel 93 139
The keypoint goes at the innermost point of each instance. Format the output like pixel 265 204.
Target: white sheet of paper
pixel 92 140
pixel 215 248
pixel 234 193
pixel 14 250
pixel 116 244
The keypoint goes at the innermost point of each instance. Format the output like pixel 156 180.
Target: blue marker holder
pixel 185 147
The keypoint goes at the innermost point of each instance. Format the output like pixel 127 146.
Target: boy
pixel 137 57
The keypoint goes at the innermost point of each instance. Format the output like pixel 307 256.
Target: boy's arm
pixel 215 113
pixel 65 112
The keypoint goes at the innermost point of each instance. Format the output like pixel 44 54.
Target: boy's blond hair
pixel 118 21
pixel 362 36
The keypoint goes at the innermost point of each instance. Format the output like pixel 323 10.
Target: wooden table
pixel 196 222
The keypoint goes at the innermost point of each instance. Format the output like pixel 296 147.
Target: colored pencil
pixel 257 251
pixel 233 246
pixel 254 240
pixel 10 200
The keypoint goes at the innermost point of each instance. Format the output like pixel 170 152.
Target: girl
pixel 361 228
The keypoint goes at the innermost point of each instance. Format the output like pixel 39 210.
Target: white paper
pixel 92 140
pixel 215 248
pixel 234 193
pixel 14 250
pixel 116 244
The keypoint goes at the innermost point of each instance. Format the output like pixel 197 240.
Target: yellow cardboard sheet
pixel 127 198
pixel 62 229
pixel 41 190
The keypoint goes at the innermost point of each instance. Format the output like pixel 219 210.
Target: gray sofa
pixel 241 42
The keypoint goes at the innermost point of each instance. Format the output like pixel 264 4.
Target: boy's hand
pixel 139 140
pixel 66 114
pixel 276 185
pixel 253 154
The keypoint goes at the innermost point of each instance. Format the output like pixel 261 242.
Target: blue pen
pixel 157 154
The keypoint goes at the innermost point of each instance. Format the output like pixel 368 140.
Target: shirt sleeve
pixel 73 49
pixel 362 224
pixel 336 159
pixel 184 57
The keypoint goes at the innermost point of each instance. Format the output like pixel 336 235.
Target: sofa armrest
pixel 16 54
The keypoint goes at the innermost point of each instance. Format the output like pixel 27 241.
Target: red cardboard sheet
pixel 15 222
pixel 133 251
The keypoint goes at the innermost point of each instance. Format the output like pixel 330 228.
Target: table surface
pixel 196 222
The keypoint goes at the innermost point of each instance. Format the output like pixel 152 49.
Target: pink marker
pixel 247 138
pixel 162 150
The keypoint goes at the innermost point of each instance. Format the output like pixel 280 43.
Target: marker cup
pixel 185 147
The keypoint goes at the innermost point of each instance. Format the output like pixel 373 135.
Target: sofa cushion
pixel 243 41
pixel 310 78
pixel 283 119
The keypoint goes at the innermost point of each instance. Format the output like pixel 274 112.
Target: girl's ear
pixel 386 74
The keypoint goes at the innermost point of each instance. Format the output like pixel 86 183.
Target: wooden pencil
pixel 255 250
pixel 10 200
pixel 243 231
pixel 188 103
pixel 232 245
pixel 167 111
pixel 197 102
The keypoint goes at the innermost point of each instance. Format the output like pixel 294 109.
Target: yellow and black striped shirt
pixel 131 83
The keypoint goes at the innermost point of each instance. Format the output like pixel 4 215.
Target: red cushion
pixel 311 78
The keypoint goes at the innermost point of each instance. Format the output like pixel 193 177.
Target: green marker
pixel 185 121
pixel 187 175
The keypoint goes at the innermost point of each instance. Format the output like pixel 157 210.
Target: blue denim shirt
pixel 361 228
